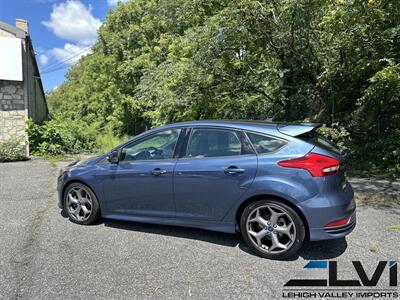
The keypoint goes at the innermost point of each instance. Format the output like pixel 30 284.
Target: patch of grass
pixel 53 159
pixel 393 227
pixel 37 221
pixel 376 199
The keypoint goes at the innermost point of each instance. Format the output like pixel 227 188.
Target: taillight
pixel 317 164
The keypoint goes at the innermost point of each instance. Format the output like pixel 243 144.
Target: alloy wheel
pixel 79 203
pixel 271 229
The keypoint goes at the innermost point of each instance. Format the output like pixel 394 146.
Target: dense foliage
pixel 59 136
pixel 334 62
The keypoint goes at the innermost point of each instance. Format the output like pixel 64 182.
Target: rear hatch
pixel 322 145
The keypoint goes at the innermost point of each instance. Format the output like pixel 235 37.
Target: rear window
pixel 265 144
pixel 320 141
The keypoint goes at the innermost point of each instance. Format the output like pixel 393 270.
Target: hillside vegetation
pixel 156 62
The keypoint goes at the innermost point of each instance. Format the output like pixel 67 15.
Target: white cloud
pixel 43 59
pixel 114 2
pixel 73 21
pixel 70 53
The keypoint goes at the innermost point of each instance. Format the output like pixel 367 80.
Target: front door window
pixel 160 145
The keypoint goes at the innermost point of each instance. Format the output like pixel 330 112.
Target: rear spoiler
pixel 297 129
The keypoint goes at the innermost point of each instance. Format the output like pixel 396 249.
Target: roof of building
pixel 18 32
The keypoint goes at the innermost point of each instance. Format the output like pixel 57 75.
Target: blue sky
pixel 61 30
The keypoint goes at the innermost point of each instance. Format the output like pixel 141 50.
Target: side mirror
pixel 113 157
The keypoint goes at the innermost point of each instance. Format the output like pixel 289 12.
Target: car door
pixel 141 183
pixel 218 167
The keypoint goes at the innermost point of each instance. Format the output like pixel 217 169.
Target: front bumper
pixel 60 187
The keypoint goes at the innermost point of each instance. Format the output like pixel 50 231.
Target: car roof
pixel 262 126
pixel 245 125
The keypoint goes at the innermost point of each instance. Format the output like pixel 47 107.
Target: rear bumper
pixel 349 226
pixel 317 234
pixel 327 208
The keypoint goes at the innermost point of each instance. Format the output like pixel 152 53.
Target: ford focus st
pixel 276 184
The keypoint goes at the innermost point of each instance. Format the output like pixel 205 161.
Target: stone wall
pixel 12 111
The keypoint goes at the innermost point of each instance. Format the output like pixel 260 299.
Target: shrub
pixel 108 140
pixel 377 156
pixel 65 136
pixel 11 150
pixel 380 156
pixel 56 136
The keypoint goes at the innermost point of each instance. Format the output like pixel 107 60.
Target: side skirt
pixel 207 225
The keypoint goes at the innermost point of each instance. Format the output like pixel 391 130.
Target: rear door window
pixel 265 144
pixel 209 142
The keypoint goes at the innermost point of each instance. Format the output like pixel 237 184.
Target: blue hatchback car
pixel 277 184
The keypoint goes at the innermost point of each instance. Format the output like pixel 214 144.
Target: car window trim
pixel 244 139
pixel 181 144
pixel 220 128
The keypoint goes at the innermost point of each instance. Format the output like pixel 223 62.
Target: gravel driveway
pixel 45 256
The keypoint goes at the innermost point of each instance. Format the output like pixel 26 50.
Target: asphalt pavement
pixel 45 256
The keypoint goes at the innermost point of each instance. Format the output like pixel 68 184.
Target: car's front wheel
pixel 272 229
pixel 81 204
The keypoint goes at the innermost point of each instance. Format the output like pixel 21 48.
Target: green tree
pixel 334 62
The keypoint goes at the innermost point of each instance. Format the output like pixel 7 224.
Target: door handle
pixel 233 170
pixel 158 172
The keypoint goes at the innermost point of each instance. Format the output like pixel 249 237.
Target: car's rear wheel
pixel 272 229
pixel 81 204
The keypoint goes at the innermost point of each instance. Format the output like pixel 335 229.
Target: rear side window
pixel 207 142
pixel 320 141
pixel 265 144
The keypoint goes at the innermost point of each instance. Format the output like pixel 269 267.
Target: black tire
pixel 94 205
pixel 296 242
